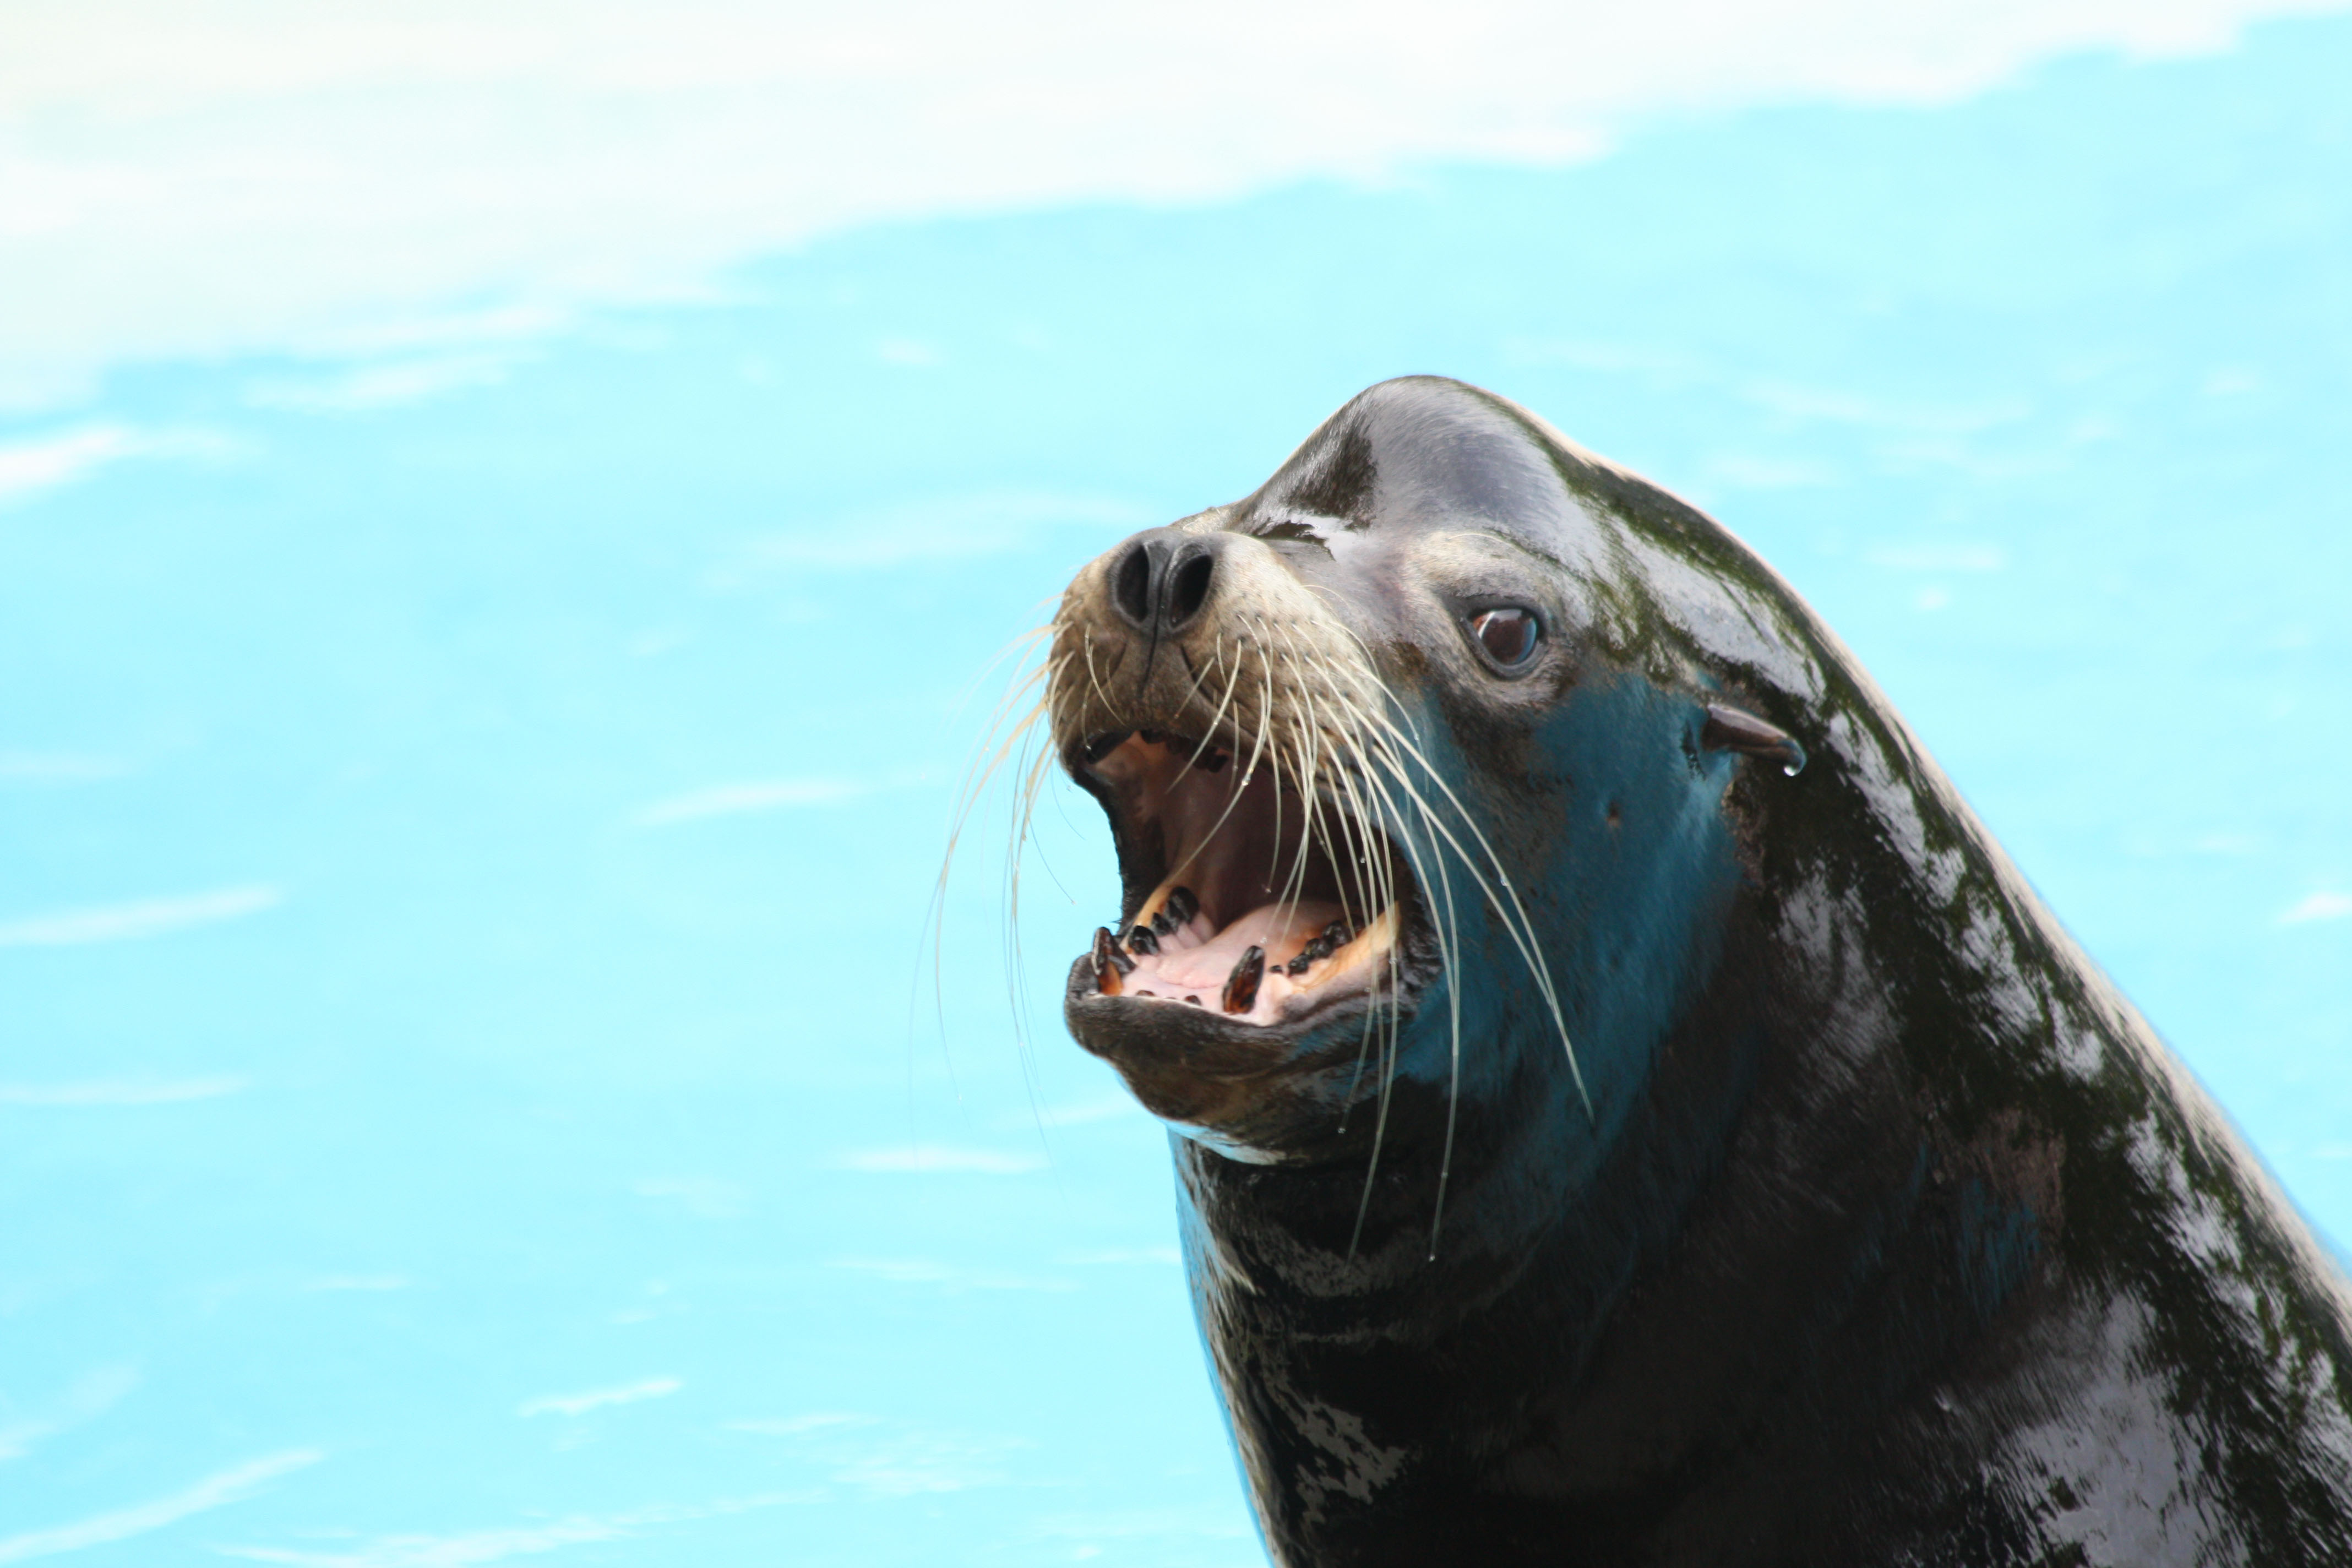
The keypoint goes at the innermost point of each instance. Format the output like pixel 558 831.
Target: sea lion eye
pixel 1509 634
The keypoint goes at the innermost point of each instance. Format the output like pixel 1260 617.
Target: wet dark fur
pixel 1893 1236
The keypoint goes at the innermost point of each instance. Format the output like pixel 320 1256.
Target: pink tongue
pixel 1280 929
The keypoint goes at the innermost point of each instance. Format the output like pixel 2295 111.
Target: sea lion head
pixel 1419 778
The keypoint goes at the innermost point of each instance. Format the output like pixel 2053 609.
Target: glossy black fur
pixel 1890 1234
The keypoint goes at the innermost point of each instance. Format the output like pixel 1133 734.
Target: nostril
pixel 1189 590
pixel 1131 586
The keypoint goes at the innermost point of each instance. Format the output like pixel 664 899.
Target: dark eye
pixel 1508 636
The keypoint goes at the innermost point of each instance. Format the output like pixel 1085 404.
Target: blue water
pixel 468 1086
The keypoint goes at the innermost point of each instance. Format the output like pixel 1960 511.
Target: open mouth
pixel 1243 897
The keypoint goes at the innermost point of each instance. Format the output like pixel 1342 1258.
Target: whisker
pixel 1394 737
pixel 1522 933
pixel 1004 737
pixel 1233 796
pixel 1209 734
pixel 1446 929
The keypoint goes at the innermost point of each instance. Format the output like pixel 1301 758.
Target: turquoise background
pixel 525 1169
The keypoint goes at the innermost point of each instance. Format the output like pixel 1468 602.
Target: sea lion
pixel 1626 1107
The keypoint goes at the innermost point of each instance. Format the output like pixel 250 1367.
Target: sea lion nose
pixel 1165 579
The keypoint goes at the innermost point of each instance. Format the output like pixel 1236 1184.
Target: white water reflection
pixel 217 1490
pixel 119 1091
pixel 222 177
pixel 599 1398
pixel 145 917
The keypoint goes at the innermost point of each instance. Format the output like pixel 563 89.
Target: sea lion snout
pixel 1228 721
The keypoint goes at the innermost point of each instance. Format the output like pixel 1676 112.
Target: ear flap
pixel 1731 730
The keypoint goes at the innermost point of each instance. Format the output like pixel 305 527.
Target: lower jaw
pixel 1259 1096
pixel 1180 1051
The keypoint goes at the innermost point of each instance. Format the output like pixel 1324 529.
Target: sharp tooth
pixel 1109 963
pixel 1141 939
pixel 1180 909
pixel 1317 950
pixel 1240 986
pixel 1335 936
pixel 1364 946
